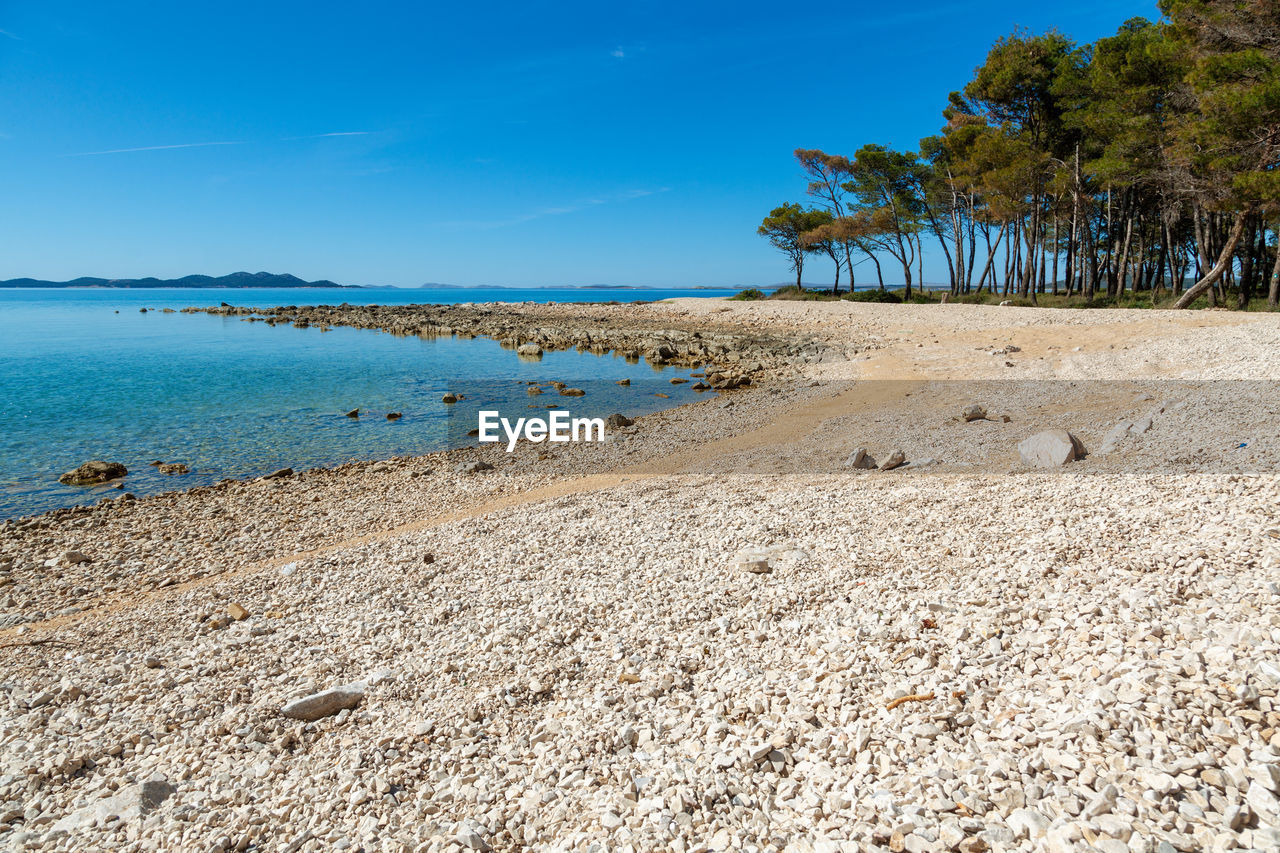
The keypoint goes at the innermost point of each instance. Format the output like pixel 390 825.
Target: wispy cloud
pixel 561 210
pixel 8 34
pixel 209 144
pixel 150 148
pixel 618 53
pixel 335 133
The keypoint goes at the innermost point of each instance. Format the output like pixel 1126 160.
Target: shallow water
pixel 84 375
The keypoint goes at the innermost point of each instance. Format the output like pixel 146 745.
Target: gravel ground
pixel 696 636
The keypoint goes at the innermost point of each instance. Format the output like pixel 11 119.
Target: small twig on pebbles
pixel 47 641
pixel 915 697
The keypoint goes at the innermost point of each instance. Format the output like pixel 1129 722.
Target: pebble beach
pixel 711 632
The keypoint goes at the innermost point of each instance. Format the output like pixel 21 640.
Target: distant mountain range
pixel 236 279
pixel 267 279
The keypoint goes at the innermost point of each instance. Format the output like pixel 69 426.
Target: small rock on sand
pixel 860 459
pixel 1051 448
pixel 974 413
pixel 1114 436
pixel 474 466
pixel 135 801
pixel 896 460
pixel 326 703
pixel 237 612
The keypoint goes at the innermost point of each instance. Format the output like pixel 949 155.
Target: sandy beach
pixel 710 632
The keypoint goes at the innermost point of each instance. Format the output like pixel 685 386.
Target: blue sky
pixel 524 144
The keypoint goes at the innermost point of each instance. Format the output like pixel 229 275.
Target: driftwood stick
pixel 915 697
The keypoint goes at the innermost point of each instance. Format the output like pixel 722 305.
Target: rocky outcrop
pixel 94 473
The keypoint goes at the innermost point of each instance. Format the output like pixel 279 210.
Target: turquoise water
pixel 84 375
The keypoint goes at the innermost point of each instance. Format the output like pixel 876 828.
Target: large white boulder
pixel 1051 448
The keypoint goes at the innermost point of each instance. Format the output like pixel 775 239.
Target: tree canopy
pixel 1146 161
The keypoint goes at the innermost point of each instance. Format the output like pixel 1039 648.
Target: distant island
pixel 236 279
pixel 431 285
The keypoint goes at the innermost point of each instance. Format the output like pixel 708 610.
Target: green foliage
pixel 789 229
pixel 882 296
pixel 795 293
pixel 749 295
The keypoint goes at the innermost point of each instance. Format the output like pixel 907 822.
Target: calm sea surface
pixel 84 375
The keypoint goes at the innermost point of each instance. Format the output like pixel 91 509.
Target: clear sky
pixel 544 142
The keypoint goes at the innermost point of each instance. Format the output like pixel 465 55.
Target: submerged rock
pixel 93 473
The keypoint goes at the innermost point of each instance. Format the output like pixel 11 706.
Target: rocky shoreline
pixel 734 355
pixel 709 633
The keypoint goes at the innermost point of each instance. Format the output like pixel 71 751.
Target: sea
pixel 86 374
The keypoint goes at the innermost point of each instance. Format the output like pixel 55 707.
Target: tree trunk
pixel 991 257
pixel 1273 295
pixel 1121 269
pixel 1056 245
pixel 1248 268
pixel 1224 260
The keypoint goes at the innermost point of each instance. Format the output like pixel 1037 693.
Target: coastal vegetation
pixel 1143 168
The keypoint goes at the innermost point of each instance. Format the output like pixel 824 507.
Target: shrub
pixel 886 296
